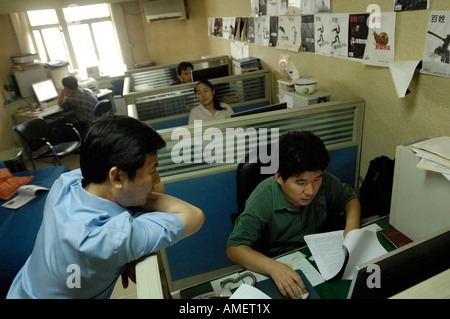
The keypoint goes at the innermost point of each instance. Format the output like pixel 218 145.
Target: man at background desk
pixel 184 73
pixel 80 100
pixel 282 209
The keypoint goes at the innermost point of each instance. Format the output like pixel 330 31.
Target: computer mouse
pixel 304 295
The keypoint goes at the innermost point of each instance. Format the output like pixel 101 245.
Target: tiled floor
pixel 73 162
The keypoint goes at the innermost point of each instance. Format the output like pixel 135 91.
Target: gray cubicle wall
pixel 169 106
pixel 163 75
pixel 212 186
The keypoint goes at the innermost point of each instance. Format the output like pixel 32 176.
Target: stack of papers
pixel 434 155
pixel 337 257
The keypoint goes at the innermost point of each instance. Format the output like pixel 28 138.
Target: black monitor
pixel 210 73
pixel 273 107
pixel 402 268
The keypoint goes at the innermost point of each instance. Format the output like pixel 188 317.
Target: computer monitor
pixel 45 90
pixel 210 73
pixel 273 107
pixel 402 268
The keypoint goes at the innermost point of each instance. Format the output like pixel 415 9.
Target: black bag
pixel 376 189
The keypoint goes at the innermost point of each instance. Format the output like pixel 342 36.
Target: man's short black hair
pixel 70 82
pixel 301 151
pixel 183 66
pixel 116 140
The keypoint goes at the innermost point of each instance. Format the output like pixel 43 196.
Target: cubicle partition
pixel 199 165
pixel 145 79
pixel 169 106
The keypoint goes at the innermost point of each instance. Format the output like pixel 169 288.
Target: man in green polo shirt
pixel 297 201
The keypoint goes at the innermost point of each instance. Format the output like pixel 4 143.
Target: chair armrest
pixel 68 126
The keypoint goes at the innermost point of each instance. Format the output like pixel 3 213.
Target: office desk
pixel 337 289
pixel 53 113
pixel 50 114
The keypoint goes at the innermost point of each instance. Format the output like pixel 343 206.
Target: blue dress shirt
pixel 85 241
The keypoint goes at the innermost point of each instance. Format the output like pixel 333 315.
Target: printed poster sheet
pixel 408 5
pixel 436 53
pixel 380 49
pixel 308 33
pixel 262 30
pixel 339 35
pixel 289 37
pixel 357 38
pixel 322 23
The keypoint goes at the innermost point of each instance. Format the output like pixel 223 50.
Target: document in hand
pixel 26 193
pixel 335 255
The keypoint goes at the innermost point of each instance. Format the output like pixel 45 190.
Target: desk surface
pixel 337 289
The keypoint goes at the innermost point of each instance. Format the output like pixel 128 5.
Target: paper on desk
pixel 330 251
pixel 402 73
pixel 248 292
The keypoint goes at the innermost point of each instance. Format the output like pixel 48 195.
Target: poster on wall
pixel 289 33
pixel 339 35
pixel 262 30
pixel 218 29
pixel 380 45
pixel 436 56
pixel 357 37
pixel 273 37
pixel 272 8
pixel 281 7
pixel 322 6
pixel 308 33
pixel 322 23
pixel 315 6
pixel 227 26
pixel 251 29
pixel 409 5
pixel 254 8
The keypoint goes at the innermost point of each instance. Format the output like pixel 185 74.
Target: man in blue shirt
pixel 102 217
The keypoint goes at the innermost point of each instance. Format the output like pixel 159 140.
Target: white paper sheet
pixel 402 73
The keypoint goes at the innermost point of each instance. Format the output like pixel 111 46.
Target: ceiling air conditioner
pixel 165 10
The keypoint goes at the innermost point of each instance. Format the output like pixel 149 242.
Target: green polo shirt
pixel 272 225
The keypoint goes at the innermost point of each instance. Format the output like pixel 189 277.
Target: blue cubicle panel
pixel 216 195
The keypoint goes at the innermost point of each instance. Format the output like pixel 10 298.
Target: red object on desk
pixel 397 238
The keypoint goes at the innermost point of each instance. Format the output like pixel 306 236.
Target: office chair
pixel 248 176
pixel 42 141
pixel 101 108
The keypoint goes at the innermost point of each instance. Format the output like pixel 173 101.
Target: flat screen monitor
pixel 269 108
pixel 210 73
pixel 402 268
pixel 45 90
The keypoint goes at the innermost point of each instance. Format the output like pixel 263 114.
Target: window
pixel 84 36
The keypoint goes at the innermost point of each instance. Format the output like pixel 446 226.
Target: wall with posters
pixel 389 120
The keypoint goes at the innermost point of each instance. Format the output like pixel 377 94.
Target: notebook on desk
pixel 269 288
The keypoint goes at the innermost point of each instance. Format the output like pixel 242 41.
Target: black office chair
pixel 248 176
pixel 101 108
pixel 42 141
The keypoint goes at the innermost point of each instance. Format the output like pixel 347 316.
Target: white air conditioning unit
pixel 165 10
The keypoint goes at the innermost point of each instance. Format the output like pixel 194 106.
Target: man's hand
pixel 129 272
pixel 287 280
